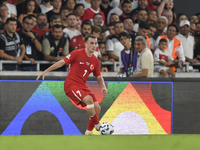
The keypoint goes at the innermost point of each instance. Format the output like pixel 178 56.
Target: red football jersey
pixel 77 42
pixel 81 66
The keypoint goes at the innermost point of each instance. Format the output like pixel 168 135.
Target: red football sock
pixel 95 119
pixel 90 126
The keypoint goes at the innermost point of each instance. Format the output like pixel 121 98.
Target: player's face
pixel 163 45
pixel 91 45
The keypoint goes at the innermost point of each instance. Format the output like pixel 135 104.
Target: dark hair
pixel 3 5
pixel 125 2
pixel 152 25
pixel 10 19
pixel 78 5
pixel 71 14
pixel 127 18
pixel 27 17
pixel 113 14
pixel 144 25
pixel 25 10
pixel 54 17
pixel 163 40
pixel 41 14
pixel 197 14
pixel 111 24
pixel 118 22
pixel 86 23
pixel 102 29
pixel 173 25
pixel 101 43
pixel 197 23
pixel 63 8
pixel 97 14
pixel 90 36
pixel 178 17
pixel 122 34
pixel 1 25
pixel 67 1
pixel 56 26
pixel 32 16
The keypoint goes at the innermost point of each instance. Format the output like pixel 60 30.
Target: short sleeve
pixel 96 71
pixel 46 47
pixel 109 45
pixel 145 61
pixel 70 57
pixel 156 55
pixel 2 44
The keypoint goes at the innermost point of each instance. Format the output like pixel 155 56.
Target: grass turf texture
pixel 117 142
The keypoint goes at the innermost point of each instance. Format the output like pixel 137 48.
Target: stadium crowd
pixel 50 29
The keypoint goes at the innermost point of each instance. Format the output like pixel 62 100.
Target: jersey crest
pixel 91 67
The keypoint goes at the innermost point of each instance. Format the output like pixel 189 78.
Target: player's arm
pixel 101 83
pixel 52 67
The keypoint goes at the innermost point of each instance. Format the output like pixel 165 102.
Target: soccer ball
pixel 106 128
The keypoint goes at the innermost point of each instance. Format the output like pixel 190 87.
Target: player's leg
pixel 93 120
pixel 163 72
pixel 170 71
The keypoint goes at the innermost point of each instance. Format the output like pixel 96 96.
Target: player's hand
pixel 104 91
pixel 42 74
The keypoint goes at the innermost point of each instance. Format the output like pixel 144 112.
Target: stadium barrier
pixel 140 106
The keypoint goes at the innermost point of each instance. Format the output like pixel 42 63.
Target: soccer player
pixel 83 62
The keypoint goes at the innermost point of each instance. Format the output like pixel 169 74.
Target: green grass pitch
pixel 104 142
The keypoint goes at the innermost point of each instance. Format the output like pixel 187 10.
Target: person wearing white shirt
pixel 142 16
pixel 187 41
pixel 86 3
pixel 46 6
pixel 71 29
pixel 12 11
pixel 174 45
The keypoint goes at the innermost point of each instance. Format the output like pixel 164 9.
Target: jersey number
pixel 85 71
pixel 79 93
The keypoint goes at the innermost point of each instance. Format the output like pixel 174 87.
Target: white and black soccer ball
pixel 106 128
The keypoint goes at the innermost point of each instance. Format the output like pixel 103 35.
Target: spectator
pixel 11 45
pixel 97 20
pixel 163 56
pixel 193 19
pixel 161 24
pixel 143 31
pixel 153 4
pixel 70 5
pixel 114 17
pixel 192 29
pixel 96 31
pixel 79 11
pixel 152 16
pixel 103 56
pixel 56 9
pixel 198 16
pixel 142 5
pixel 42 26
pixel 128 56
pixel 187 41
pixel 126 10
pixel 29 8
pixel 78 42
pixel 89 13
pixel 133 16
pixel 55 19
pixel 1 27
pixel 34 18
pixel 45 6
pixel 116 10
pixel 166 5
pixel 174 46
pixel 4 15
pixel 111 29
pixel 86 3
pixel 71 28
pixel 56 45
pixel 113 45
pixel 31 43
pixel 78 25
pixel 105 8
pixel 152 31
pixel 198 26
pixel 145 62
pixel 180 17
pixel 102 37
pixel 142 16
pixel 169 15
pixel 12 11
pixel 64 11
pixel 128 25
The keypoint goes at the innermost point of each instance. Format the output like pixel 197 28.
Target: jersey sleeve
pixel 96 71
pixel 70 57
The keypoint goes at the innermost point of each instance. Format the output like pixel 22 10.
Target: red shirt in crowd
pixel 89 13
pixel 77 42
pixel 39 31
